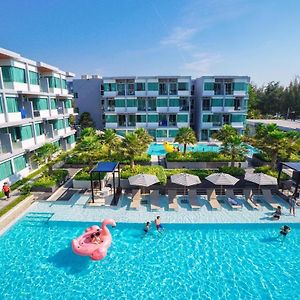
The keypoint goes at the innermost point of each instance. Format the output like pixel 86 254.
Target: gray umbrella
pixel 185 180
pixel 261 179
pixel 143 180
pixel 222 179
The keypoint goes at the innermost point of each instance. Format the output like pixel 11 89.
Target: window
pixel 64 84
pixel 121 89
pixel 58 124
pixel 57 83
pixel 141 118
pixel 13 104
pixel 218 88
pixel 163 120
pixel 174 102
pixel 182 118
pixel 68 103
pixel 53 103
pixel 75 95
pixel 68 123
pixel 173 133
pixel 216 119
pixel 172 120
pixel 206 104
pixel 204 135
pixel 120 103
pixel 13 74
pixel 71 139
pixel 241 86
pixel 39 129
pixel 40 103
pixel 183 104
pixel 207 118
pixel 161 133
pixel 130 89
pixel 131 120
pixel 228 88
pixel 141 103
pixel 1 106
pixel 183 86
pixel 110 118
pixel 20 163
pixel 162 102
pixel 153 118
pixel 121 120
pixel 237 104
pixel 229 102
pixel 54 82
pixel 152 86
pixel 26 132
pixel 208 86
pixel 111 104
pixel 109 87
pixel 238 118
pixel 5 170
pixel 121 132
pixel 140 86
pixel 131 103
pixel 163 89
pixel 34 78
pixel 173 88
pixel 245 103
pixel 217 102
pixel 152 132
pixel 151 104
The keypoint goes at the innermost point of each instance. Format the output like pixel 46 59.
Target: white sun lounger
pixel 173 204
pixel 248 194
pixel 193 199
pixel 212 199
pixel 154 199
pixel 230 194
pixel 267 196
pixel 136 199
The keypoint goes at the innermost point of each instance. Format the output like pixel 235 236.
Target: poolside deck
pixel 76 209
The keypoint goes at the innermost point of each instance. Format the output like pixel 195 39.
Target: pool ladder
pixel 38 216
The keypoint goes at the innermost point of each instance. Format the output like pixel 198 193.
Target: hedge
pixel 84 174
pixel 233 171
pixel 55 178
pixel 201 173
pixel 269 171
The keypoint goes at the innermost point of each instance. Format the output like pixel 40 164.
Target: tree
pixel 144 138
pixel 271 140
pixel 186 136
pixel 131 146
pixel 111 141
pixel 225 132
pixel 45 154
pixel 72 120
pixel 88 131
pixel 234 147
pixel 86 120
pixel 292 143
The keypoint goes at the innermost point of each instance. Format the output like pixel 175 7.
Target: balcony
pixel 2 118
pixel 110 108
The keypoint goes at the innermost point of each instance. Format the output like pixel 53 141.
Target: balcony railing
pixel 36 113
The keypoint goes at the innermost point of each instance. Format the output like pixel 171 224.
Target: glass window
pixel 161 133
pixel 1 105
pixel 152 132
pixel 57 83
pixel 245 103
pixel 131 120
pixel 12 104
pixel 26 132
pixel 71 139
pixel 20 163
pixel 131 102
pixel 34 78
pixel 163 89
pixel 182 118
pixel 174 102
pixel 111 104
pixel 121 132
pixel 140 86
pixel 216 119
pixel 68 103
pixel 121 89
pixel 173 133
pixel 39 129
pixel 153 118
pixel 120 103
pixel 162 102
pixel 172 120
pixel 173 88
pixel 141 103
pixel 183 86
pixel 51 82
pixel 64 84
pixel 238 118
pixel 152 86
pixel 40 103
pixel 208 86
pixel 5 170
pixel 141 118
pixel 206 104
pixel 217 102
pixel 241 86
pixel 53 103
pixel 13 74
pixel 121 120
pixel 109 87
pixel 130 89
pixel 207 118
pixel 151 104
pixel 183 104
pixel 229 102
pixel 111 118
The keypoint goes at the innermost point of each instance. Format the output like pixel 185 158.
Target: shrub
pixel 25 189
pixel 199 157
pixel 269 171
pixel 127 171
pixel 233 171
pixel 84 174
pixel 55 178
pixel 262 156
pixel 201 173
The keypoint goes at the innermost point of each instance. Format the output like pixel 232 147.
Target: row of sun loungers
pixel 212 199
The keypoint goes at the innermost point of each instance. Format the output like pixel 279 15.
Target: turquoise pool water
pixel 159 149
pixel 185 262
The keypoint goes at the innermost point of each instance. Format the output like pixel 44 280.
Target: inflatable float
pixel 168 147
pixel 84 246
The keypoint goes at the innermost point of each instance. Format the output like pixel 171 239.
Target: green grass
pixel 12 204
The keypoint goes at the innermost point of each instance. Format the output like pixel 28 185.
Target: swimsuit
pixel 159 226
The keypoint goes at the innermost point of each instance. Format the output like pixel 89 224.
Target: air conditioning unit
pixel 96 77
pixel 85 76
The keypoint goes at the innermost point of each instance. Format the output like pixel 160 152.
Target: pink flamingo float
pixel 84 246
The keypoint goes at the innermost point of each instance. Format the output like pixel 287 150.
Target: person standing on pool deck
pixel 6 190
pixel 292 203
pixel 158 224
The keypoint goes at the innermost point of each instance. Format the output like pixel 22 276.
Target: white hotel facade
pixel 34 109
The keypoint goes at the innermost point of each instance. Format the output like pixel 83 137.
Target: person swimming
pixel 147 227
pixel 158 224
pixel 95 238
pixel 284 230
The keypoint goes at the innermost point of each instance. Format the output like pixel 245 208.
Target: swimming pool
pixel 159 149
pixel 185 262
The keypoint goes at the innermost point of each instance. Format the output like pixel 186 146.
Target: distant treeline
pixel 274 100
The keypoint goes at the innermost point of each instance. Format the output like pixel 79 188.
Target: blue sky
pixel 259 38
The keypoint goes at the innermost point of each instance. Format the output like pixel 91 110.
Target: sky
pixel 258 38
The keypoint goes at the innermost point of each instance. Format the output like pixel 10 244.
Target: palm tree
pixel 111 141
pixel 234 147
pixel 131 146
pixel 144 137
pixel 45 155
pixel 270 139
pixel 225 132
pixel 186 136
pixel 292 139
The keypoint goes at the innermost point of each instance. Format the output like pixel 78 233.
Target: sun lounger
pixel 193 199
pixel 212 199
pixel 154 199
pixel 248 194
pixel 136 199
pixel 173 204
pixel 232 200
pixel 267 196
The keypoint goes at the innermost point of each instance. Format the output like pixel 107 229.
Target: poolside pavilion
pixel 294 183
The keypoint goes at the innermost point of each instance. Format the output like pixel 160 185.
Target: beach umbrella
pixel 261 179
pixel 144 180
pixel 222 179
pixel 185 179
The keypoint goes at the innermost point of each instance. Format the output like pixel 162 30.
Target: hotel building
pixel 34 109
